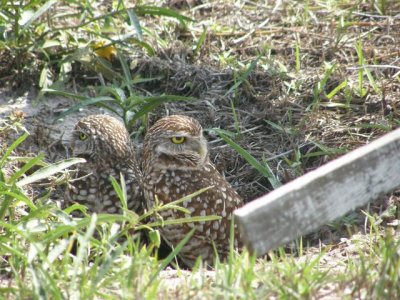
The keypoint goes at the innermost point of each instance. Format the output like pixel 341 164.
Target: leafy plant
pixel 319 88
pixel 120 98
pixel 38 39
pixel 364 70
pixel 130 108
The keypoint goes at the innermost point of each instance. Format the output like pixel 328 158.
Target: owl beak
pixel 77 151
pixel 72 146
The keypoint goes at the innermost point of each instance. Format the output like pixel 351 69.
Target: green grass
pixel 45 253
pixel 40 40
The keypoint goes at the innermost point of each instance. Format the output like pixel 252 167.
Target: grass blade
pixel 153 102
pixel 161 11
pixel 170 257
pixel 49 171
pixel 244 76
pixel 84 103
pixel 120 190
pixel 34 161
pixel 45 7
pixel 135 22
pixel 181 221
pixel 143 44
pixel 362 91
pixel 12 147
pixel 201 40
pixel 106 266
pixel 173 204
pixel 127 72
pixel 341 86
pixel 264 170
pixel 22 198
pixel 82 253
pixel 64 94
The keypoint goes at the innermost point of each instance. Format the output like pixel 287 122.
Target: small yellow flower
pixel 109 52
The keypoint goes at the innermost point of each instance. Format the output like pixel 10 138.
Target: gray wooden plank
pixel 322 195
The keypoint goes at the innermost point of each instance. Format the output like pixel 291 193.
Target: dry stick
pixel 374 67
pixel 321 196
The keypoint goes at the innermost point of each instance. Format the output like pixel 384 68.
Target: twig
pixel 374 67
pixel 373 16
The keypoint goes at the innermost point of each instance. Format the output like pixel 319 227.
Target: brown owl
pixel 176 164
pixel 105 144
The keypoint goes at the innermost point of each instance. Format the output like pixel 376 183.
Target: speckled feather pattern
pixel 174 171
pixel 109 152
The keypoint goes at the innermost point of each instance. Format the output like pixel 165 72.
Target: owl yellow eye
pixel 82 136
pixel 178 139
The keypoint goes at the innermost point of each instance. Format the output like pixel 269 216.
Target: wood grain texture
pixel 321 196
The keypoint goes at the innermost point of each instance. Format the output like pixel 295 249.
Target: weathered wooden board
pixel 322 195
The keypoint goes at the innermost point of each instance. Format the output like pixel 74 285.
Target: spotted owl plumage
pixel 105 144
pixel 176 164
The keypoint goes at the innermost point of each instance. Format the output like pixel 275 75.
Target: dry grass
pixel 309 81
pixel 326 81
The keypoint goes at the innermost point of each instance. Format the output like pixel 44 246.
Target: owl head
pixel 175 142
pixel 100 138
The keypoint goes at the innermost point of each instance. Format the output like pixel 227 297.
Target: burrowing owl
pixel 105 144
pixel 176 164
